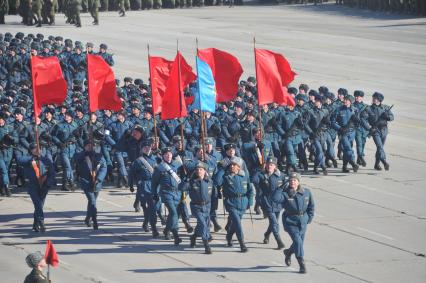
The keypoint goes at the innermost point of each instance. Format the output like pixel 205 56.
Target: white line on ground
pixel 376 233
pixel 110 202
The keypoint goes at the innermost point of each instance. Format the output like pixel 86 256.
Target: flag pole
pixel 89 123
pixel 180 95
pixel 48 273
pixel 152 96
pixel 259 107
pixel 203 118
pixel 36 133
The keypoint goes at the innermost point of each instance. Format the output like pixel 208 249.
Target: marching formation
pixel 245 152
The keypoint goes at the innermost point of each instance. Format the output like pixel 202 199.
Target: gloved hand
pixel 131 188
pixel 156 198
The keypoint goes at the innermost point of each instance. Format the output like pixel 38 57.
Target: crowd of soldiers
pixel 241 154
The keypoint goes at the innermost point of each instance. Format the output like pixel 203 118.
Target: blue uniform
pixel 298 213
pixel 8 137
pixel 118 138
pixel 316 127
pixel 361 129
pixel 288 127
pixel 378 118
pixel 91 170
pixel 344 121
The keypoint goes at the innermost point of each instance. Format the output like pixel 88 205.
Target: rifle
pixel 376 123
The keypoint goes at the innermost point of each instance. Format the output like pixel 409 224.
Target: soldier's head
pixel 177 142
pixel 167 154
pixel 199 152
pixel 69 115
pixel 239 107
pixel 208 142
pixel 303 89
pixel 89 47
pixel 121 116
pixel 250 116
pixel 348 100
pixel 230 149
pixel 93 117
pixel 301 99
pixel 108 113
pixel 88 145
pixel 341 93
pixel 103 48
pixel 137 132
pixel 359 95
pixel 19 114
pixel 294 180
pixel 200 170
pixel 147 146
pixel 2 119
pixel 147 113
pixel 312 94
pixel 35 260
pixel 378 98
pixel 318 101
pixel 271 164
pixel 235 165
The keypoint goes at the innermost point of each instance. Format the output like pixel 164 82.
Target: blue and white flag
pixel 205 96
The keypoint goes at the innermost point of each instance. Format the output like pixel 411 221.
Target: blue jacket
pixel 298 207
pixel 164 184
pixel 83 171
pixel 47 171
pixel 141 176
pixel 269 190
pixel 200 191
pixel 237 191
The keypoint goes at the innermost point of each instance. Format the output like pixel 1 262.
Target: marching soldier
pixel 104 54
pixel 91 170
pixel 8 139
pixel 40 173
pixel 361 128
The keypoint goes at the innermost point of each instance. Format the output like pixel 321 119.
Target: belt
pixel 295 214
pixel 238 196
pixel 200 203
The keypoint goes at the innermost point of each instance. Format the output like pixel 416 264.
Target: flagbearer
pixel 91 169
pixel 40 173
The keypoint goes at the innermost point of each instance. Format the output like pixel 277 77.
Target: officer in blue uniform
pixel 40 173
pixel 362 128
pixel 344 120
pixel 269 183
pixel 77 64
pixel 8 138
pixel 91 170
pixel 299 208
pixel 24 133
pixel 379 117
pixel 303 108
pixel 166 183
pixel 201 189
pixel 330 133
pixel 140 175
pixel 238 197
pixel 45 131
pixel 105 55
pixel 63 136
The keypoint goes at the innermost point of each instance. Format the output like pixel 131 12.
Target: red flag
pixel 174 105
pixel 50 255
pixel 160 73
pixel 49 85
pixel 226 71
pixel 274 74
pixel 102 88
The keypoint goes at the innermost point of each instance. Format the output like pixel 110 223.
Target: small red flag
pixel 226 71
pixel 274 74
pixel 49 85
pixel 50 255
pixel 160 73
pixel 102 87
pixel 174 105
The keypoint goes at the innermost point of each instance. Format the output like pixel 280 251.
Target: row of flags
pixel 217 76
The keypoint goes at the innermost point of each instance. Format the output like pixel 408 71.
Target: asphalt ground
pixel 369 226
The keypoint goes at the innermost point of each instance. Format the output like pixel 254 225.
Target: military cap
pixel 30 35
pixel 292 90
pixel 358 93
pixel 318 98
pixel 128 80
pixel 49 110
pixel 294 175
pixel 35 46
pixel 138 82
pixel 79 108
pixel 122 113
pixel 33 259
pixel 305 87
pixel 148 110
pixel 330 95
pixel 59 38
pixel 377 95
pixel 166 149
pixel 201 164
pixel 342 91
pixel 197 148
pixel 177 139
pixel 239 104
pixel 23 46
pixel 68 41
pixel 103 46
pixel 86 142
pixel 18 110
pixel 69 113
pixel 19 35
pixel 323 89
pixel 12 48
pixel 302 97
pixel 137 106
pixel 273 160
pixel 243 83
pixel 350 98
pixel 89 44
pixel 63 106
pixel 313 92
pixel 147 142
pixel 78 46
pixel 251 79
pixel 8 35
pixel 144 86
pixel 138 128
pixel 51 37
pixel 57 47
pixel 236 160
pixel 251 113
pixel 228 146
pixel 32 146
pixel 208 141
pixel 40 36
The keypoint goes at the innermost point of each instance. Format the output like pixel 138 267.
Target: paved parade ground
pixel 369 226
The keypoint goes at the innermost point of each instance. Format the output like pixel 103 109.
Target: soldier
pixel 8 139
pixel 330 134
pixel 23 131
pixel 74 12
pixel 40 173
pixel 48 12
pixel 104 54
pixel 45 131
pixel 14 67
pixel 379 116
pixel 37 262
pixel 91 170
pixel 120 132
pixel 166 183
pixel 94 10
pixel 299 208
pixel 77 64
pixel 201 191
pixel 270 183
pixel 344 121
pixel 140 175
pixel 238 197
pixel 4 9
pixel 63 136
pixel 36 7
pixel 361 133
pixel 123 5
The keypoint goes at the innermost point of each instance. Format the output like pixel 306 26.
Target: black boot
pixel 358 161
pixel 118 184
pixel 324 170
pixel 193 240
pixel 257 209
pixel 316 172
pixel 280 242
pixel 216 225
pixel 334 163
pixel 302 267
pixel 287 257
pixel 126 181
pixel 145 227
pixel 377 165
pixel 176 237
pixel 95 223
pixel 2 191
pixel 345 167
pixel 155 233
pixel 266 238
pixel 355 167
pixel 42 227
pixel 188 227
pixel 36 228
pixel 243 246
pixel 229 240
pixel 7 191
pixel 207 249
pixel 339 154
pixel 137 206
pixel 386 165
pixel 88 221
pixel 166 234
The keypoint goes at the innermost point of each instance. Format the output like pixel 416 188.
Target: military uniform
pixel 8 138
pixel 36 276
pixel 4 9
pixel 362 127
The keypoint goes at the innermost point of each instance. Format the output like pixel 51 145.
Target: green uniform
pixel 4 9
pixel 123 6
pixel 48 11
pixel 94 10
pixel 36 277
pixel 74 11
pixel 36 11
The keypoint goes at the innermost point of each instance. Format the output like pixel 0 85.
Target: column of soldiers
pixel 238 160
